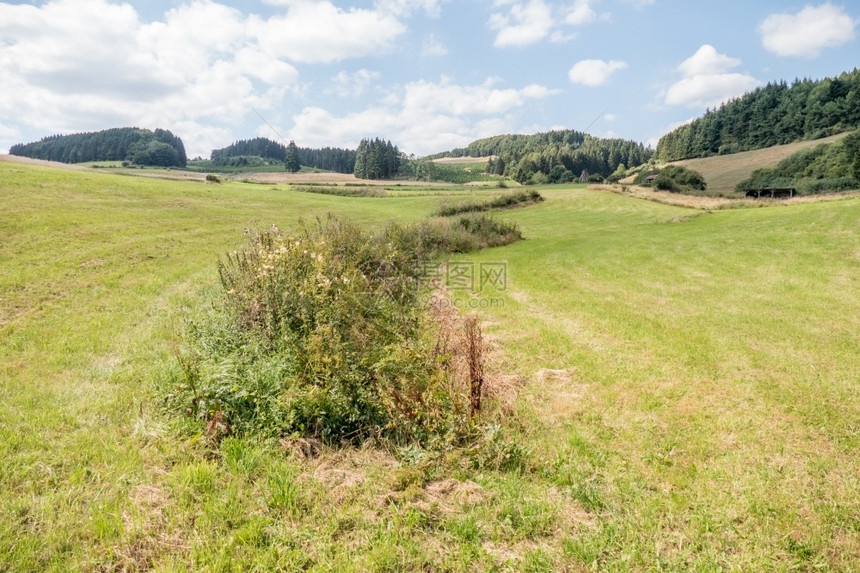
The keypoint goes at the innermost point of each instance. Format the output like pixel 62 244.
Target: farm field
pixel 686 392
pixel 723 172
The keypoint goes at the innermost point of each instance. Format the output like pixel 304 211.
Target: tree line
pixel 140 146
pixel 771 115
pixel 553 157
pixel 327 158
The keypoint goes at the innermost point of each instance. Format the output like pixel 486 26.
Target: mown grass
pixel 687 392
pixel 699 377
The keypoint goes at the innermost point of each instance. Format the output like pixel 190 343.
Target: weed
pixel 319 333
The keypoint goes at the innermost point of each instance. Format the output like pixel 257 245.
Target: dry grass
pixel 723 172
pixel 709 203
pixel 284 178
pixel 463 160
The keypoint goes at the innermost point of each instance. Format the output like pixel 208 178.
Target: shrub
pixel 828 185
pixel 674 178
pixel 665 183
pixel 320 333
pixel 210 178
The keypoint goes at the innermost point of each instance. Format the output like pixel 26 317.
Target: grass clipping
pixel 323 333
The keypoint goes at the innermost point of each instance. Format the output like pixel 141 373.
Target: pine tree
pixel 292 158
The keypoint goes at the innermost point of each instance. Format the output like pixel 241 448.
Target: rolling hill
pixel 723 172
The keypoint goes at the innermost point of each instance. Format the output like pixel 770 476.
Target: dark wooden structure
pixel 771 192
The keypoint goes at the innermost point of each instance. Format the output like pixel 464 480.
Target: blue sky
pixel 430 75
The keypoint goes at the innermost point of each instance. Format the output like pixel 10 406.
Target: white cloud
pixel 580 13
pixel 709 90
pixel 355 84
pixel 427 117
pixel 594 72
pixel 201 70
pixel 404 8
pixel 807 32
pixel 707 61
pixel 522 23
pixel 610 116
pixel 317 31
pixel 706 80
pixel 433 47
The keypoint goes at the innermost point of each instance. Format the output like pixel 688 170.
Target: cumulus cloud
pixel 807 32
pixel 79 65
pixel 580 13
pixel 594 73
pixel 320 32
pixel 426 117
pixel 707 61
pixel 706 80
pixel 525 23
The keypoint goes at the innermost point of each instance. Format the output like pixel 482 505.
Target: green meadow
pixel 683 387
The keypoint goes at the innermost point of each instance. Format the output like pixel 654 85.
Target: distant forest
pixel 140 146
pixel 554 156
pixel 328 158
pixel 771 115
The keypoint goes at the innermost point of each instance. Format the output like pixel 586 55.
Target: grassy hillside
pixel 685 382
pixel 723 172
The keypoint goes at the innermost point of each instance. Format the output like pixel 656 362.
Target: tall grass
pixel 320 334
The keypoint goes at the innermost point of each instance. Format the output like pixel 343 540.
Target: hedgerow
pixel 501 202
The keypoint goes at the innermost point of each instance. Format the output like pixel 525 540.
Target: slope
pixel 723 172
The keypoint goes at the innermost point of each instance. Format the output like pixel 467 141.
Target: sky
pixel 429 75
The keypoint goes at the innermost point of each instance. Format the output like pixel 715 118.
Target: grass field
pixel 687 390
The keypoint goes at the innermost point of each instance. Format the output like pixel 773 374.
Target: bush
pixel 210 178
pixel 674 178
pixel 828 185
pixel 320 333
pixel 501 202
pixel 665 183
